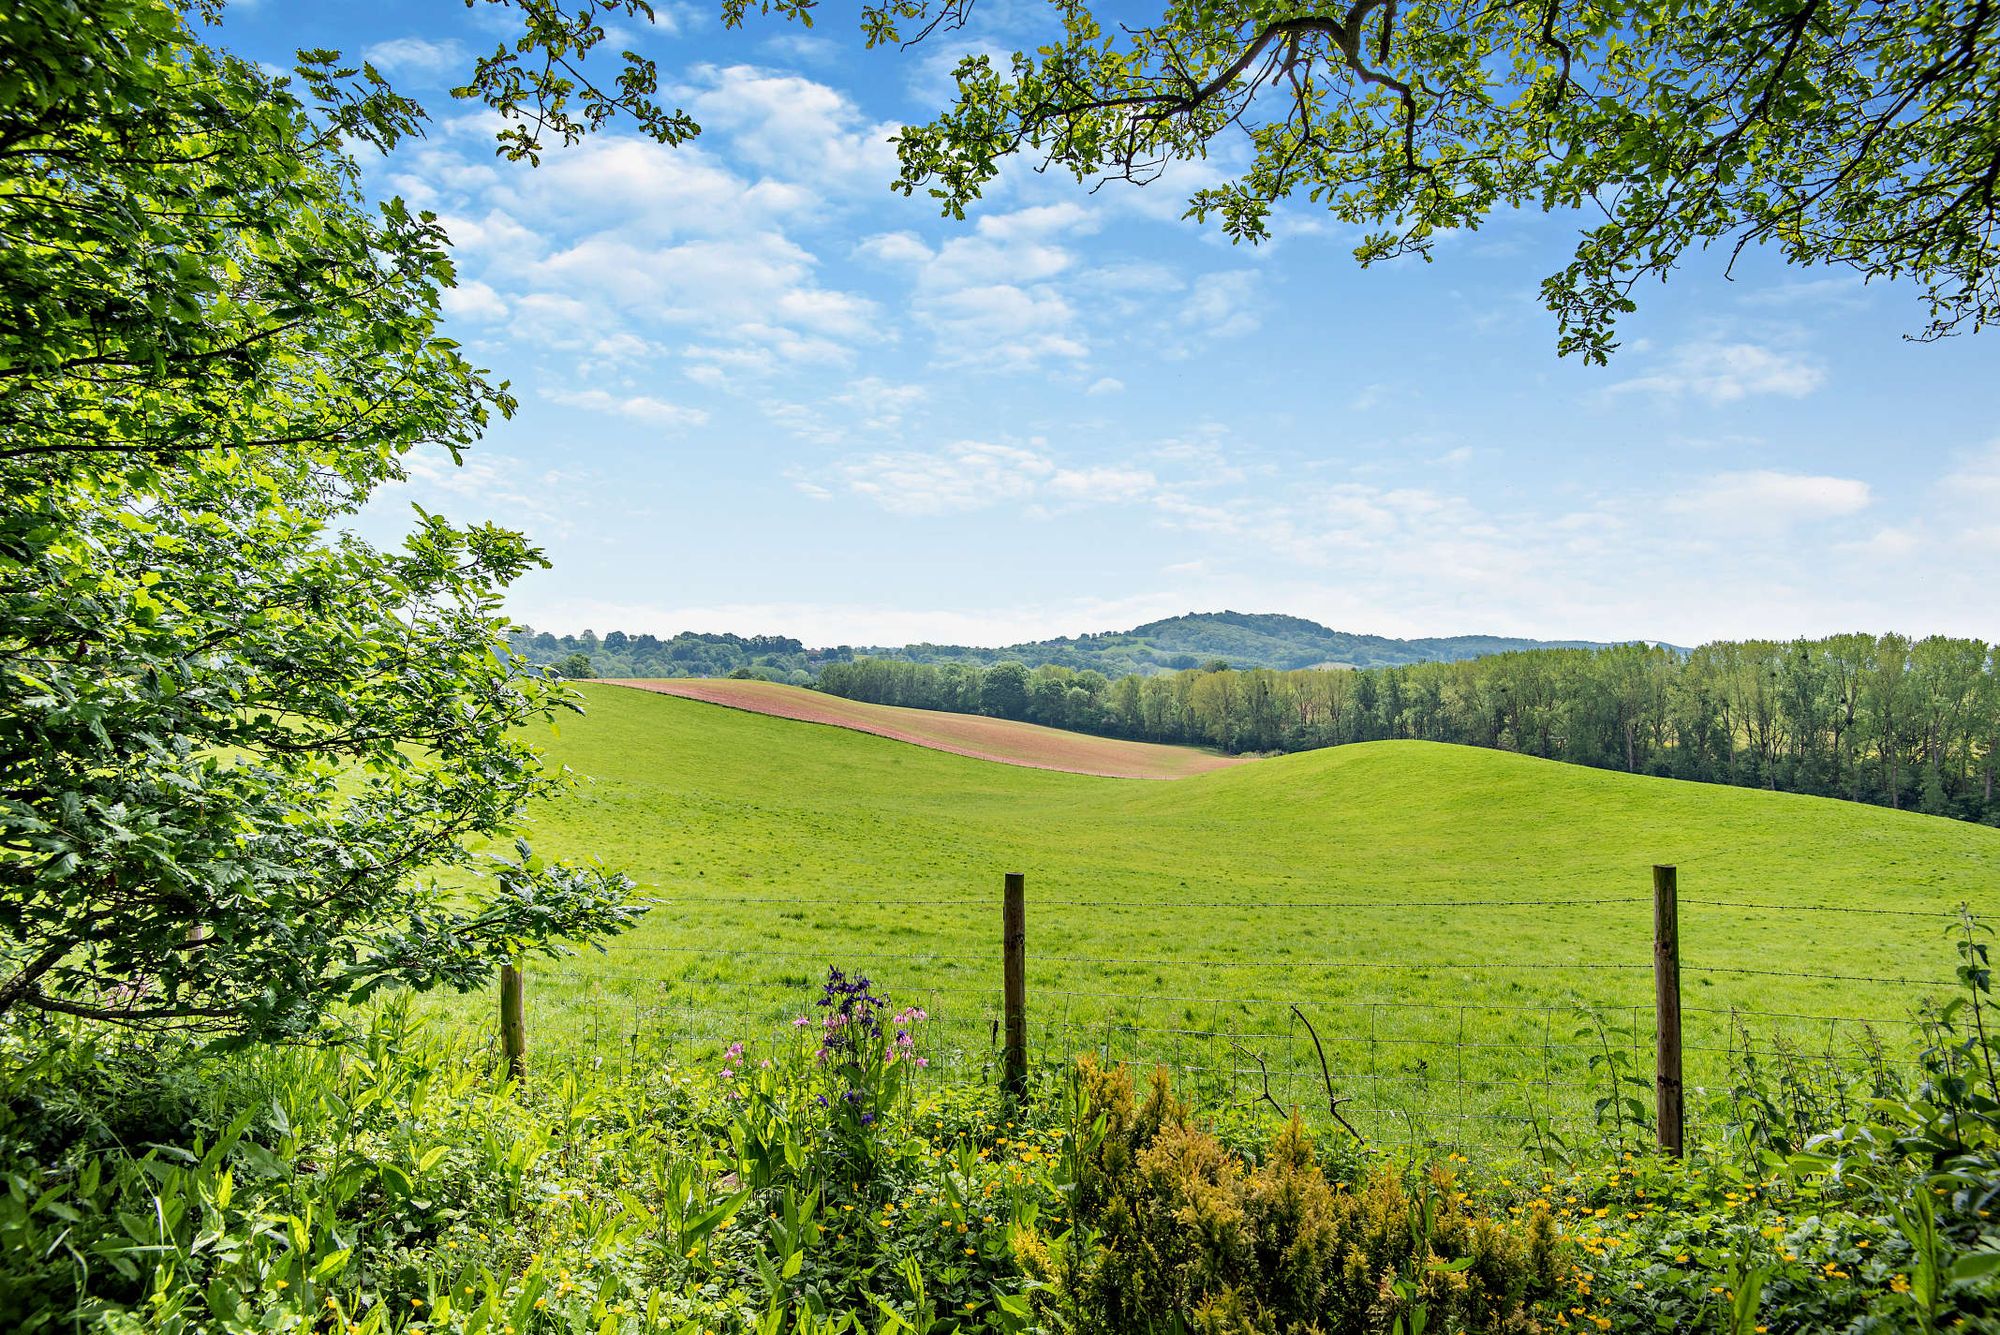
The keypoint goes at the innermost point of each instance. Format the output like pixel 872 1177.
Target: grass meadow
pixel 1444 915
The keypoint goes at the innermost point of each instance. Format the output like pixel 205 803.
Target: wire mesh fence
pixel 1506 1052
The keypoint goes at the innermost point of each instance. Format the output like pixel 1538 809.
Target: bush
pixel 1186 1231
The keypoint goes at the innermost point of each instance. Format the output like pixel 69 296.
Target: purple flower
pixel 923 1061
pixel 867 1119
pixel 849 1003
pixel 735 1050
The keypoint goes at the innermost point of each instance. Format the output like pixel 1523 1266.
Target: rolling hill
pixel 981 738
pixel 1427 904
pixel 1243 639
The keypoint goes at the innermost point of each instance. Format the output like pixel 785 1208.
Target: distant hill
pixel 1243 639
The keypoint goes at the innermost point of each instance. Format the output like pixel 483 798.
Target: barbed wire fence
pixel 1446 1072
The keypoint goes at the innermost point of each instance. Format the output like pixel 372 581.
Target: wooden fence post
pixel 1014 982
pixel 513 1023
pixel 1667 1092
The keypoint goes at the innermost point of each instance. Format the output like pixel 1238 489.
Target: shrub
pixel 1189 1233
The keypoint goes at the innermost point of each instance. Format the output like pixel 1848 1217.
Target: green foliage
pixel 540 85
pixel 772 657
pixel 1850 133
pixel 395 1184
pixel 1187 1235
pixel 1003 691
pixel 1178 643
pixel 241 746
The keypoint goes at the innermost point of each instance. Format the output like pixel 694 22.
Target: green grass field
pixel 1162 914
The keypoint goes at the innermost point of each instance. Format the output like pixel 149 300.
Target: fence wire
pixel 1467 1069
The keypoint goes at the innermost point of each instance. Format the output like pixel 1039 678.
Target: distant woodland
pixel 1174 644
pixel 773 657
pixel 1911 724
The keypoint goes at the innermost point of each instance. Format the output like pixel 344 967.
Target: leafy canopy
pixel 242 753
pixel 1863 133
pixel 1847 132
pixel 1856 133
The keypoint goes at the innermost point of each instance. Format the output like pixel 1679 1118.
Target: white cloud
pixel 1003 327
pixel 1976 479
pixel 1726 372
pixel 1103 485
pixel 486 486
pixel 419 57
pixel 989 298
pixel 473 301
pixel 1106 385
pixel 1968 501
pixel 969 475
pixel 896 248
pixel 796 127
pixel 638 407
pixel 1222 305
pixel 1766 499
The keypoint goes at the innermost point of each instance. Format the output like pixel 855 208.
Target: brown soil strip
pixel 981 738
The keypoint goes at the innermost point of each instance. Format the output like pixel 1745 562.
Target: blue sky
pixel 761 393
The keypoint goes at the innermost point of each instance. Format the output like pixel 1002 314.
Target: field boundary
pixel 1457 1072
pixel 1005 741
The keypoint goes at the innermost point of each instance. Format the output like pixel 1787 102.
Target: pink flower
pixel 923 1061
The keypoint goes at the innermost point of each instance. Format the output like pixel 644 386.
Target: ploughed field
pixel 971 735
pixel 1445 916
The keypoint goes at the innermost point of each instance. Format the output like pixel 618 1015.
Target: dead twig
pixel 1333 1100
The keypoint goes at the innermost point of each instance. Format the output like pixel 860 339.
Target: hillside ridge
pixel 1242 639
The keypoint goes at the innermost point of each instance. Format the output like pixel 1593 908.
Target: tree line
pixel 688 654
pixel 1904 723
